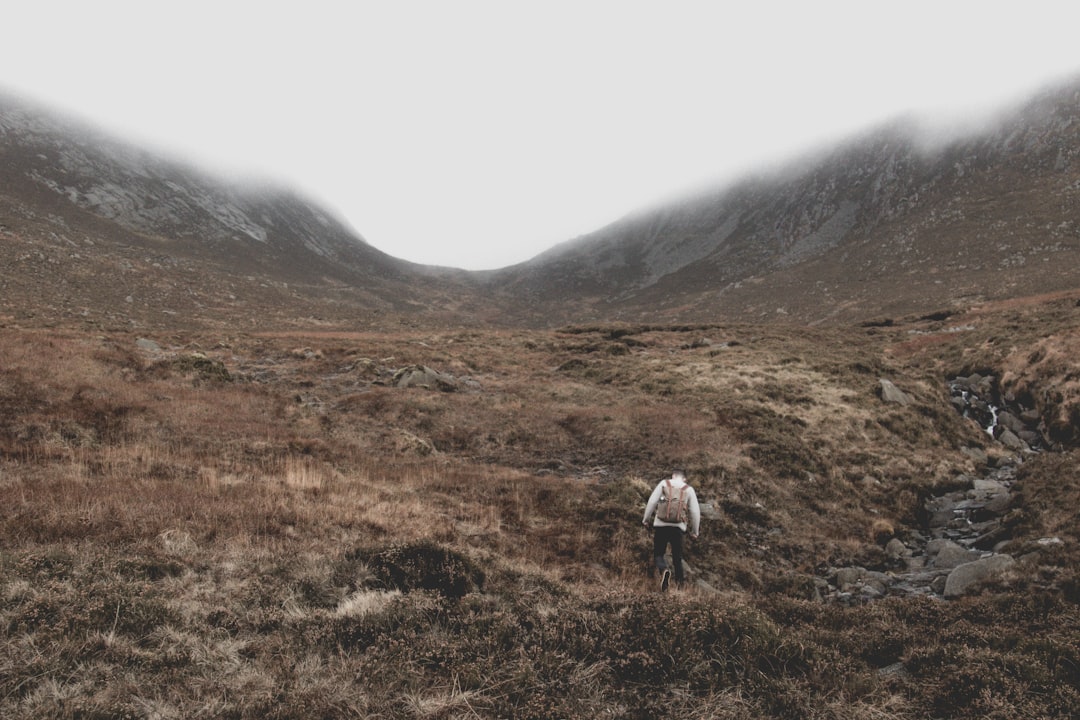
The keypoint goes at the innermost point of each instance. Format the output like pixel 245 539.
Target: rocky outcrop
pixel 151 195
pixel 961 546
pixel 424 377
pixel 972 574
pixel 181 246
pixel 1018 427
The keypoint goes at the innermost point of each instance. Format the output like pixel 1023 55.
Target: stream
pixel 963 533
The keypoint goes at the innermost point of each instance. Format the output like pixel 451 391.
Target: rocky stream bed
pixel 963 536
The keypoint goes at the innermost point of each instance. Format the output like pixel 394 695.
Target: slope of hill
pixel 889 224
pixel 178 246
pixel 884 226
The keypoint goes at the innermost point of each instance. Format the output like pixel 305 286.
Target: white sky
pixel 478 133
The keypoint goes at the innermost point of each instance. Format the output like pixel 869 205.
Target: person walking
pixel 673 509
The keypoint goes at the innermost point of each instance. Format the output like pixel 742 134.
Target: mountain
pixel 891 223
pixel 96 227
pixel 895 223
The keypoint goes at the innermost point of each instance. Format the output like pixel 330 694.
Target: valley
pixel 252 467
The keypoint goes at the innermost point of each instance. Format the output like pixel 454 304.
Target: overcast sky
pixel 477 134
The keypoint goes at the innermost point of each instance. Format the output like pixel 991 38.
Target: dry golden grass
pixel 263 526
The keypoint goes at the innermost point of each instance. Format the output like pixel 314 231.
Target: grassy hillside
pixel 271 525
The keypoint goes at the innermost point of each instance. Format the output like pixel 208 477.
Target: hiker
pixel 673 508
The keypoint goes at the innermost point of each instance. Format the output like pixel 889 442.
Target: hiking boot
pixel 665 580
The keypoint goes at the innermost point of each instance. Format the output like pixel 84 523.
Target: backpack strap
pixel 683 509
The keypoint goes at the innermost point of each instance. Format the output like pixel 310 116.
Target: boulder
pixel 998 504
pixel 878 582
pixel 709 512
pixel 977 455
pixel 847 578
pixel 989 485
pixel 948 554
pixel 424 377
pixel 1010 440
pixel 968 576
pixel 892 394
pixel 1007 420
pixel 1030 437
pixel 896 549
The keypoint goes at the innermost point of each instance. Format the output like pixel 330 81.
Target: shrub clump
pixel 423 565
pixel 204 368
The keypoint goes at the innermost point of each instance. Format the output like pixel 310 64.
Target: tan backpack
pixel 674 506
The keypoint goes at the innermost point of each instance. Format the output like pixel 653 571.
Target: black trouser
pixel 664 535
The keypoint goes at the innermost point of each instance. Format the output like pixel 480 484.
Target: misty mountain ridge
pixel 172 238
pixel 148 194
pixel 890 223
pixel 893 221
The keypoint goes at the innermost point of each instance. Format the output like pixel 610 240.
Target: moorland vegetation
pixel 276 525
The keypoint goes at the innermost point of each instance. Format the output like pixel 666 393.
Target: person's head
pixel 678 474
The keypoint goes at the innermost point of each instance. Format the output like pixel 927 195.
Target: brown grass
pixel 263 526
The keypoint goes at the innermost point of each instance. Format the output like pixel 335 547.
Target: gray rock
pixel 878 582
pixel 872 591
pixel 998 504
pixel 951 555
pixel 892 394
pixel 896 549
pixel 896 669
pixel 145 344
pixel 847 578
pixel 968 576
pixel 934 546
pixel 990 486
pixel 708 511
pixel 1030 437
pixel 822 589
pixel 941 518
pixel 977 455
pixel 1010 440
pixel 706 587
pixel 424 377
pixel 1007 420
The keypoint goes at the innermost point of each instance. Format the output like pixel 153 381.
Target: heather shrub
pixel 423 566
pixel 199 367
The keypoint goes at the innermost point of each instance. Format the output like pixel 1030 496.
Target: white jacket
pixel 692 505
